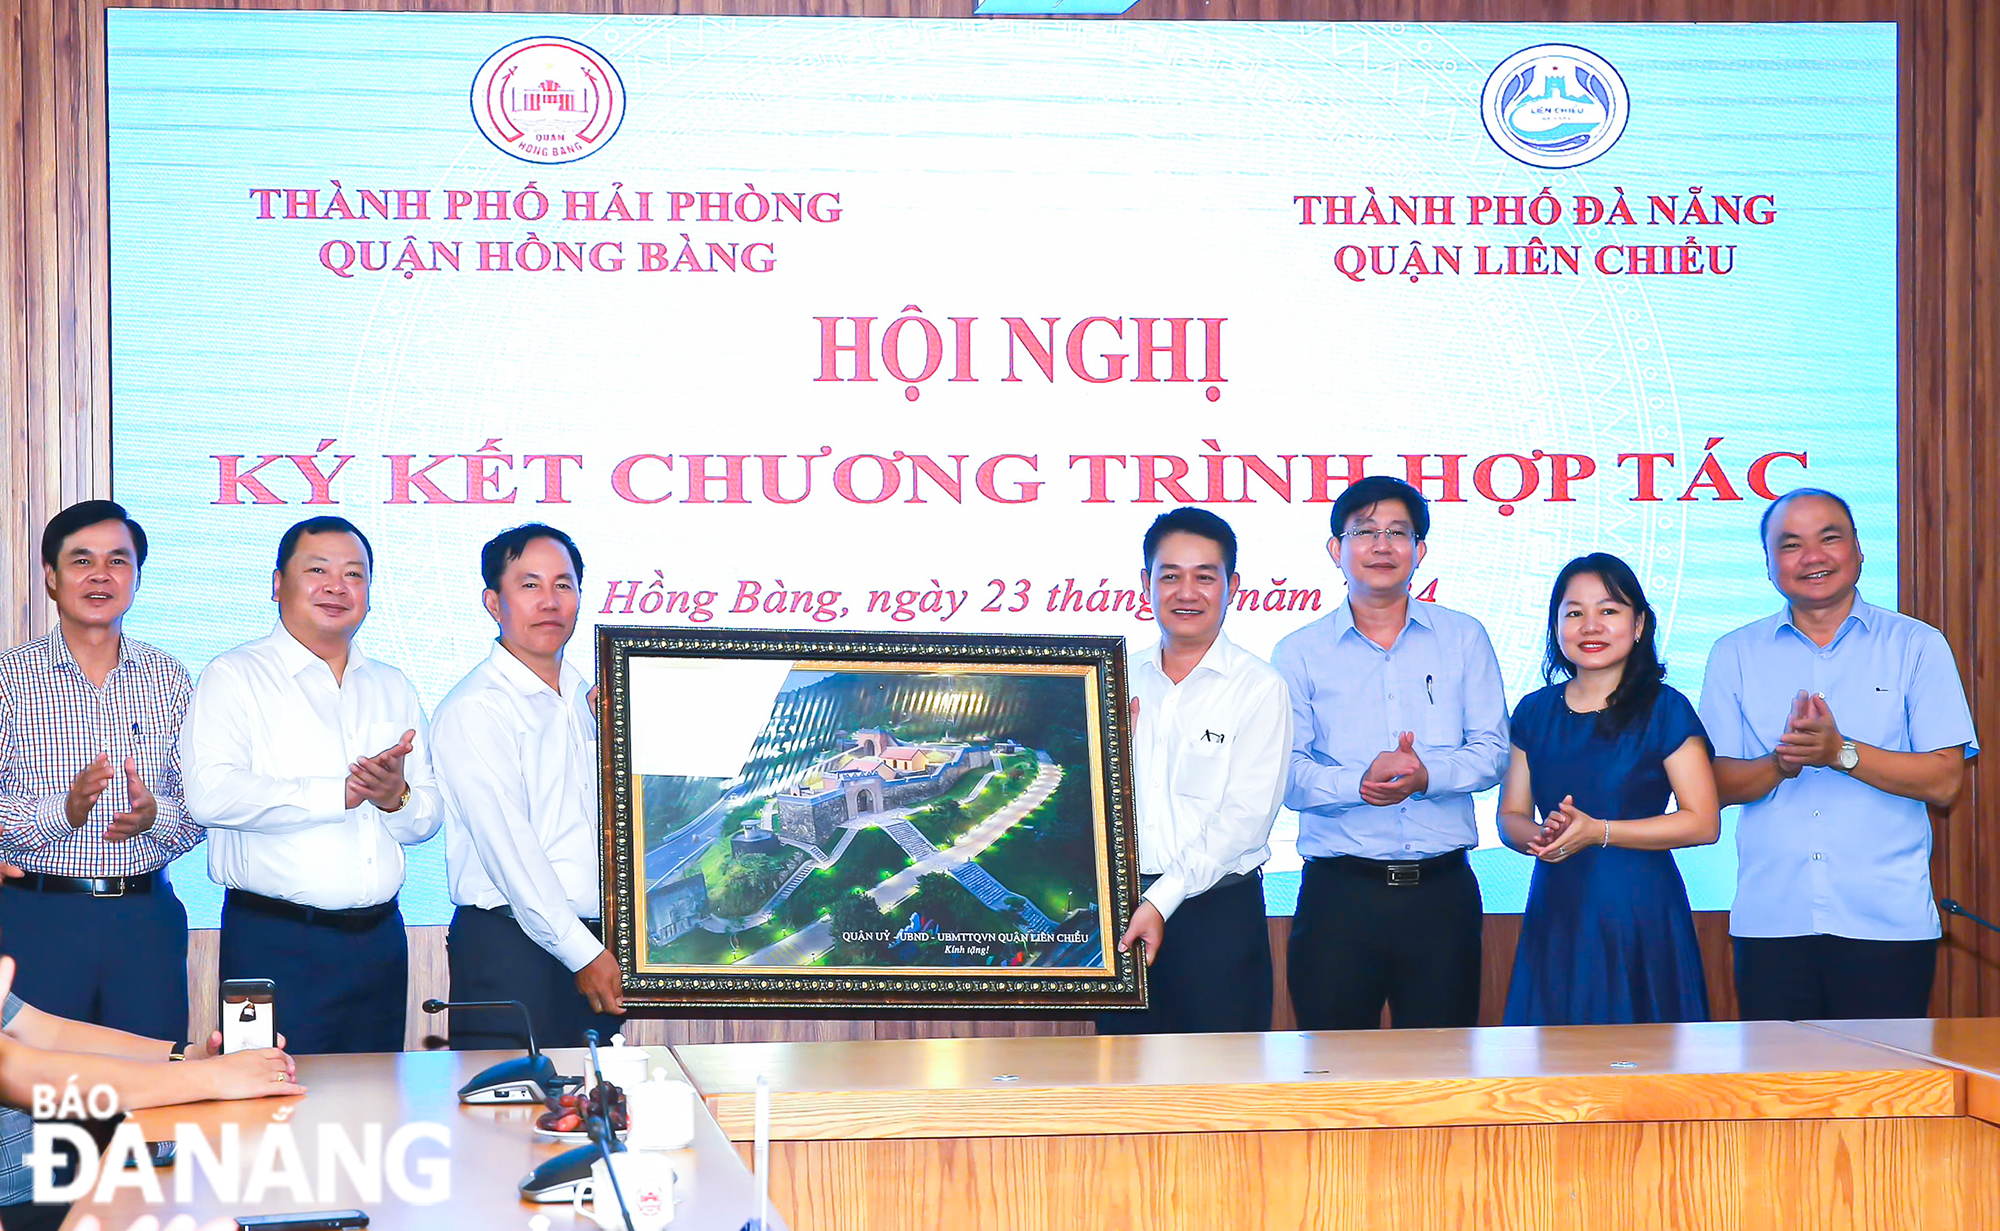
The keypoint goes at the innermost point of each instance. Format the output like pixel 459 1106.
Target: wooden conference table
pixel 1723 1125
pixel 490 1149
pixel 1968 1043
pixel 1719 1125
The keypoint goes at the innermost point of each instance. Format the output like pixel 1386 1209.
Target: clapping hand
pixel 1566 831
pixel 379 779
pixel 140 812
pixel 85 789
pixel 1811 737
pixel 1395 775
pixel 1800 710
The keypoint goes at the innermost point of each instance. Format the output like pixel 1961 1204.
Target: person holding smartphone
pixel 309 764
pixel 42 1049
pixel 249 1015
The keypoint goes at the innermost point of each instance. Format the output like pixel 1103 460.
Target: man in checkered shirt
pixel 90 791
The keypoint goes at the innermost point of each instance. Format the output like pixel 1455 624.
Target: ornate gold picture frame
pixel 867 819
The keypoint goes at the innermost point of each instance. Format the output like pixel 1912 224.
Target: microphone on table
pixel 1951 907
pixel 526 1079
pixel 602 1131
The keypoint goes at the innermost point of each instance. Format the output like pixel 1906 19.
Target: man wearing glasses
pixel 1398 718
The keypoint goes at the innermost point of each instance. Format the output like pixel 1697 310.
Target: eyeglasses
pixel 1394 538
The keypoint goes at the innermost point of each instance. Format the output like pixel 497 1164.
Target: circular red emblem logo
pixel 548 100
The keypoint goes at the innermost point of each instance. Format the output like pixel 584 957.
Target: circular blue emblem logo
pixel 1555 105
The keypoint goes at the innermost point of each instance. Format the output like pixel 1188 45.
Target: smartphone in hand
pixel 249 1014
pixel 324 1220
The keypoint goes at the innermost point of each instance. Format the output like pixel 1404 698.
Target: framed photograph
pixel 867 820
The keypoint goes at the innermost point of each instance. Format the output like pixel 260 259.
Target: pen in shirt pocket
pixel 1428 694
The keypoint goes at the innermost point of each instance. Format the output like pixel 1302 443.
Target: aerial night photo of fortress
pixel 905 818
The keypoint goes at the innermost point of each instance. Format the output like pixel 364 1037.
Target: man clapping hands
pixel 1834 916
pixel 90 790
pixel 307 761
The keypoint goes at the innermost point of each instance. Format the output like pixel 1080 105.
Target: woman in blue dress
pixel 1607 935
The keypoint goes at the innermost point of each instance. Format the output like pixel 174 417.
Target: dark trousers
pixel 118 962
pixel 1359 942
pixel 339 990
pixel 1214 968
pixel 28 1216
pixel 1808 978
pixel 492 959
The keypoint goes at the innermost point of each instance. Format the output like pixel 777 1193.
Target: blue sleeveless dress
pixel 1607 935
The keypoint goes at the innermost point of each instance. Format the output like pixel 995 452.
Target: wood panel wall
pixel 56 418
pixel 1949 411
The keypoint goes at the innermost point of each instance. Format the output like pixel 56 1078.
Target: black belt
pixel 1146 880
pixel 359 919
pixel 100 887
pixel 1398 872
pixel 596 926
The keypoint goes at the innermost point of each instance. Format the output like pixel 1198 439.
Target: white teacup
pixel 662 1114
pixel 621 1065
pixel 646 1181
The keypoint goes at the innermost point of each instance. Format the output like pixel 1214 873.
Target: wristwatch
pixel 405 798
pixel 179 1052
pixel 1849 757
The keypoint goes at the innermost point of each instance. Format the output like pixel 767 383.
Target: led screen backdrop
pixel 916 324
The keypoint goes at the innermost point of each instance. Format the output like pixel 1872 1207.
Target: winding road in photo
pixel 808 943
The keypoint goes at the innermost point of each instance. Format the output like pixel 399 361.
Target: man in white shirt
pixel 309 765
pixel 1212 739
pixel 516 751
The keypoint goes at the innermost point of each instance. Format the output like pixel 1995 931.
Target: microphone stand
pixel 529 1079
pixel 603 1133
pixel 527 1022
pixel 1951 907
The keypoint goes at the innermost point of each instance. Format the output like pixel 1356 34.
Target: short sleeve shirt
pixel 1825 853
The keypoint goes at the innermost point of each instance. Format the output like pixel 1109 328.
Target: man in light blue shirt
pixel 1837 724
pixel 1398 718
